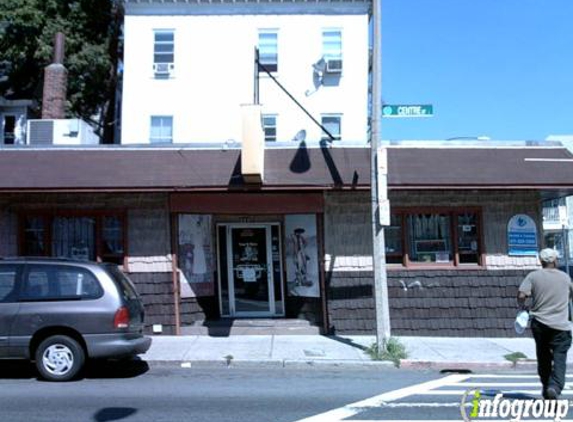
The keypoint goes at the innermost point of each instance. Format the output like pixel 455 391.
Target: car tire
pixel 59 358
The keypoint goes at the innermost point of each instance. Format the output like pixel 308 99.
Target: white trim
pixel 230 276
pixel 550 160
pixel 281 282
pixel 247 7
pixel 220 295
pixel 270 272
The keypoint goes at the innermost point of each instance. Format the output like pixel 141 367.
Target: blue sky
pixel 496 68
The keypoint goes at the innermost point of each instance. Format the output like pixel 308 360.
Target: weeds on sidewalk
pixel 229 359
pixel 514 357
pixel 394 351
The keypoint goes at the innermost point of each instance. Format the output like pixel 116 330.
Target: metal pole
pixel 256 78
pixel 565 244
pixel 376 187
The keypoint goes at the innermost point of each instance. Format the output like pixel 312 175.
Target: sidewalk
pixel 305 350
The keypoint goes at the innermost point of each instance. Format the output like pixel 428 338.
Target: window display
pixel 434 237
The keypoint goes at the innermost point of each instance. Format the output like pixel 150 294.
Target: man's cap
pixel 548 255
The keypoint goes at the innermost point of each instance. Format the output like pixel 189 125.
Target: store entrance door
pixel 251 285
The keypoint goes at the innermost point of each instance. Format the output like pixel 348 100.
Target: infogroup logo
pixel 514 407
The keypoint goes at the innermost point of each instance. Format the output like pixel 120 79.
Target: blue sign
pixel 522 236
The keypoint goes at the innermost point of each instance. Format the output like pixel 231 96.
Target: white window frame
pixel 163 68
pixel 332 47
pixel 265 127
pixel 161 139
pixel 270 66
pixel 15 132
pixel 337 136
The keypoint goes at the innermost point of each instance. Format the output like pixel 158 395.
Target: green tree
pixel 92 29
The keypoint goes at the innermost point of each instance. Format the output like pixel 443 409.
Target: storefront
pixel 249 255
pixel 203 246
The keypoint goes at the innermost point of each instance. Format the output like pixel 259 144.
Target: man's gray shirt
pixel 550 290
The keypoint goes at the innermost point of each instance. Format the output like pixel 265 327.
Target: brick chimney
pixel 55 83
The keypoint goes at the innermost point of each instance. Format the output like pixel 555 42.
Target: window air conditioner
pixel 334 65
pixel 162 69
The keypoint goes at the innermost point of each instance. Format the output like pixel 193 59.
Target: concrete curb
pixel 271 363
pixel 455 365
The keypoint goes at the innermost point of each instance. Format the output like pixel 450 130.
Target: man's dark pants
pixel 552 346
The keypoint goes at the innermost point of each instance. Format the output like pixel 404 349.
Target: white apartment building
pixel 189 66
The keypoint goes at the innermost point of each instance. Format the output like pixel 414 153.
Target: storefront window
pixel 434 237
pixel 468 240
pixel 393 240
pixel 87 237
pixel 429 236
pixel 34 236
pixel 112 239
pixel 74 237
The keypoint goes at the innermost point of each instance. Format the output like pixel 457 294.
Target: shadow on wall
pixel 301 163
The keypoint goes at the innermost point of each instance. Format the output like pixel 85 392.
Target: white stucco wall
pixel 214 70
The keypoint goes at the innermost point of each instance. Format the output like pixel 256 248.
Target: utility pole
pixel 378 187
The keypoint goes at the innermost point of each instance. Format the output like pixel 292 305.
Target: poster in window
pixel 195 256
pixel 522 236
pixel 302 255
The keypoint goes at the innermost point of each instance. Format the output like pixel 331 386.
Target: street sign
pixel 399 111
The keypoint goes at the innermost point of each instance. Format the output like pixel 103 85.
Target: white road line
pixel 510 376
pixel 460 392
pixel 568 386
pixel 498 384
pixel 407 405
pixel 449 420
pixel 337 415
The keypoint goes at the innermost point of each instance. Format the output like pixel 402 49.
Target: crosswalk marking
pixel 498 384
pixel 338 415
pixel 460 392
pixel 450 420
pixel 452 385
pixel 505 376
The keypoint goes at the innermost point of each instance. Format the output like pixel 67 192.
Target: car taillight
pixel 121 319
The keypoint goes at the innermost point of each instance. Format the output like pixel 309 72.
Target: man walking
pixel 550 290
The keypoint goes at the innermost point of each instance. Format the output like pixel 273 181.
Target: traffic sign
pixel 398 111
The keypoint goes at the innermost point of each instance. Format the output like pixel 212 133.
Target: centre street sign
pixel 398 111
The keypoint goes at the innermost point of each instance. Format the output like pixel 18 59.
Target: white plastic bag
pixel 521 321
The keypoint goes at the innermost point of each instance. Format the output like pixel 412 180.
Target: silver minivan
pixel 59 312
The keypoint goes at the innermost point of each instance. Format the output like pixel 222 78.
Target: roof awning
pixel 186 169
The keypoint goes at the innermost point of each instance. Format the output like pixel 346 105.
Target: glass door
pixel 250 270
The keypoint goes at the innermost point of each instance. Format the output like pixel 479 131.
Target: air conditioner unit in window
pixel 162 69
pixel 334 65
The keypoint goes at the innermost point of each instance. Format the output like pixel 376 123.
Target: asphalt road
pixel 134 391
pixel 137 392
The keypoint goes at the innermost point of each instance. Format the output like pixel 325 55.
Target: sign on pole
pixel 382 187
pixel 399 111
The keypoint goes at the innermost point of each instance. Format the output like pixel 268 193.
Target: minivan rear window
pixel 125 284
pixel 8 279
pixel 59 282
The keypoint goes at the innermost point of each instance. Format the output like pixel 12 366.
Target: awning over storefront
pixel 173 169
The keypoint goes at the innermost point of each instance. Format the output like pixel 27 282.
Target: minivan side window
pixel 8 278
pixel 55 282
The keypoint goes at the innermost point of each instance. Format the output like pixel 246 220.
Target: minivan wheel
pixel 59 358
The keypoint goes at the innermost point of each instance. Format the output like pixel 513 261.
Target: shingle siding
pixel 156 290
pixel 456 302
